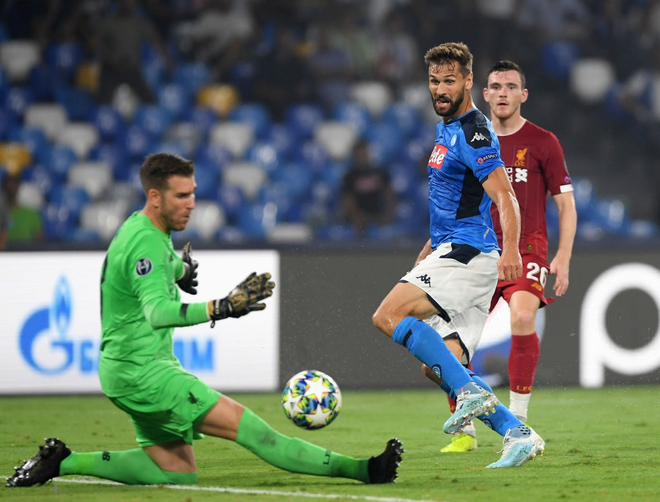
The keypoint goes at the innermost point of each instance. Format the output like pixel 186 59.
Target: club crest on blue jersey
pixel 143 266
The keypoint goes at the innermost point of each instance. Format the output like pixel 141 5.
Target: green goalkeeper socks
pixel 296 455
pixel 132 467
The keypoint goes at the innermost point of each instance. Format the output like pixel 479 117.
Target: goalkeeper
pixel 169 408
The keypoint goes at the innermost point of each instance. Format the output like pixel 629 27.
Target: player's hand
pixel 559 267
pixel 188 281
pixel 244 298
pixel 509 266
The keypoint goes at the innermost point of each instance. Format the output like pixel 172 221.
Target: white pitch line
pixel 244 491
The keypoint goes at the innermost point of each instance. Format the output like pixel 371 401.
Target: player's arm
pixel 499 188
pixel 567 227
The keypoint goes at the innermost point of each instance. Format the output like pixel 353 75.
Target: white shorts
pixel 459 281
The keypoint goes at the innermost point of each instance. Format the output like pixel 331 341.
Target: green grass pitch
pixel 601 445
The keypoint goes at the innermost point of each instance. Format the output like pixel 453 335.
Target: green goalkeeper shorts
pixel 169 410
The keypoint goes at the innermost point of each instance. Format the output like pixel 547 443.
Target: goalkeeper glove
pixel 243 299
pixel 188 281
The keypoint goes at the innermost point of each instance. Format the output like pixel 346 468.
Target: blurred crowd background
pixel 309 121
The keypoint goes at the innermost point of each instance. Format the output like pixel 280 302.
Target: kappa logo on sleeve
pixel 143 266
pixel 438 156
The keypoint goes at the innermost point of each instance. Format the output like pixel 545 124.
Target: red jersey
pixel 534 161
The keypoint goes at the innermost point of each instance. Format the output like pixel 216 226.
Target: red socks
pixel 523 359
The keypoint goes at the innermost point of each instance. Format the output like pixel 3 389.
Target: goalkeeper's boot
pixel 470 405
pixel 521 444
pixel 43 467
pixel 382 469
pixel 461 443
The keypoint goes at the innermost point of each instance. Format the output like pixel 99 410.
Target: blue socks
pixel 427 345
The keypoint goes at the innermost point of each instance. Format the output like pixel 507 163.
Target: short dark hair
pixel 159 167
pixel 450 52
pixel 506 65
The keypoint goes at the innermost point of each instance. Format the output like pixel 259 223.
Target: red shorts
pixel 535 275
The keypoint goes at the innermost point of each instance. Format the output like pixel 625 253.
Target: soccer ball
pixel 311 399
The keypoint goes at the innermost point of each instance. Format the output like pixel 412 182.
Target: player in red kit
pixel 535 164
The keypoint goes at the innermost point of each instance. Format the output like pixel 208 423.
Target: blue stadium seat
pixel 231 235
pixel 207 178
pixel 34 138
pixel 406 117
pixel 153 119
pixel 115 155
pixel 17 100
pixel 108 121
pixel 60 160
pixel 74 198
pixel 7 123
pixel 137 142
pixel 174 98
pixel 203 117
pixel 232 200
pixel 64 58
pixel 612 215
pixel 215 155
pixel 168 147
pixel 280 195
pixel 43 81
pixel 297 176
pixel 558 57
pixel 386 141
pixel 192 76
pixel 312 155
pixel 255 114
pixel 354 114
pixel 265 154
pixel 302 119
pixel 280 137
pixel 256 219
pixel 153 68
pixel 336 233
pixel 4 85
pixel 41 176
pixel 404 180
pixel 78 103
pixel 58 222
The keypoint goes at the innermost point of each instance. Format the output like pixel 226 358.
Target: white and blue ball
pixel 311 399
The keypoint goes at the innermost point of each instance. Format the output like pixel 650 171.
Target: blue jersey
pixel 466 152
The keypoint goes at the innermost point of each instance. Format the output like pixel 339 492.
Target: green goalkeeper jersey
pixel 140 307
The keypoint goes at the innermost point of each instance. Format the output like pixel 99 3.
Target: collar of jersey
pixel 451 121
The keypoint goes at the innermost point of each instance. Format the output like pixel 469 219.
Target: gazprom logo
pixel 43 339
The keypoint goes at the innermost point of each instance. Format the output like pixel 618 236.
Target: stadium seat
pixel 18 57
pixel 591 78
pixel 153 67
pixel 207 218
pixel 73 198
pixel 231 235
pixel 233 136
pixel 126 192
pixel 280 138
pixel 64 58
pixel 215 155
pixel 265 154
pixel 125 101
pixel 154 119
pixel 207 177
pixel 257 220
pixel 312 155
pixel 136 141
pixel 114 155
pixel 278 194
pixel 94 177
pixel 14 157
pixel 336 233
pixel 51 117
pixel 613 216
pixel 40 176
pixel 354 114
pixel 104 217
pixel 248 176
pixel 337 138
pixel 220 98
pixel 193 76
pixel 297 176
pixel 4 85
pixel 585 196
pixel 60 159
pixel 290 233
pixel 80 136
pixel 17 100
pixel 7 123
pixel 253 114
pixel 43 81
pixel 302 119
pixel 175 99
pixel 204 118
pixel 108 121
pixel 58 221
pixel 403 115
pixel 78 103
pixel 643 229
pixel 186 134
pixel 416 95
pixel 34 139
pixel 558 58
pixel 374 95
pixel 386 141
pixel 231 198
pixel 173 147
pixel 87 76
pixel 30 195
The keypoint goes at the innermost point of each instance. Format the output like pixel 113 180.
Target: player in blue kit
pixel 456 272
